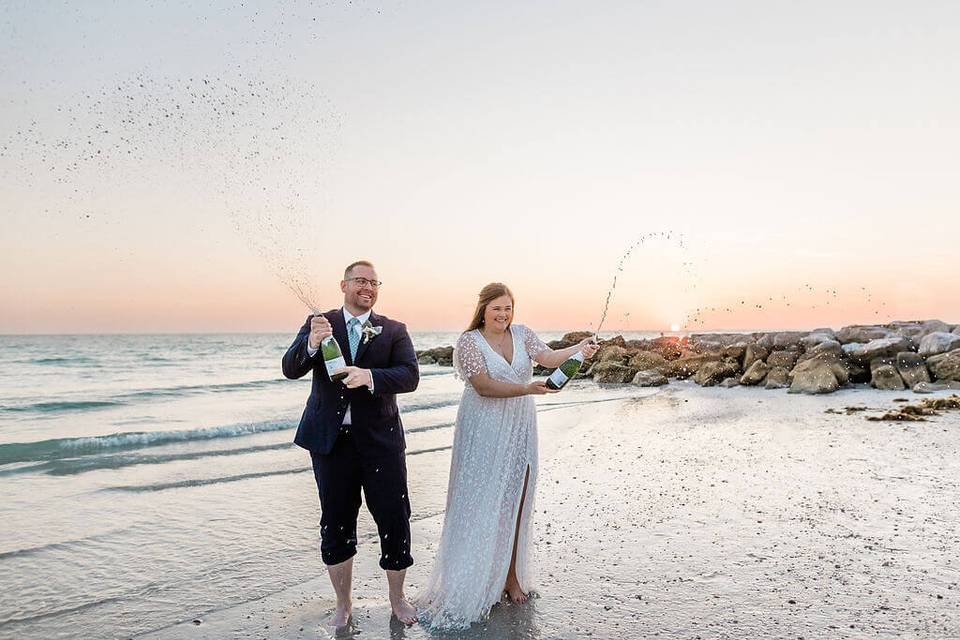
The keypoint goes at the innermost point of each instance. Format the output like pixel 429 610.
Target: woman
pixel 493 467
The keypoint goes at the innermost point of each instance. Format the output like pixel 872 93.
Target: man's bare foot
pixel 341 617
pixel 405 612
pixel 514 592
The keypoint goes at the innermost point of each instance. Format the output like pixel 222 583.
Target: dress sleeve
pixel 532 343
pixel 467 357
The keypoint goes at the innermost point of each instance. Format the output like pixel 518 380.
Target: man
pixel 353 432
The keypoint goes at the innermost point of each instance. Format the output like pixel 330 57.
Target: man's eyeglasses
pixel 363 282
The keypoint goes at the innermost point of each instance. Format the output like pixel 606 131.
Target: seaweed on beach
pixel 847 411
pixel 920 412
pixel 898 416
pixel 942 404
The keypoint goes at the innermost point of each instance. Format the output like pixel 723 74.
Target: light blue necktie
pixel 354 335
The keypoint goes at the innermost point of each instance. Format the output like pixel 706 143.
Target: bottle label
pixel 558 377
pixel 334 363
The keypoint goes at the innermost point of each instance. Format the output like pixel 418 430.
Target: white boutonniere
pixel 370 332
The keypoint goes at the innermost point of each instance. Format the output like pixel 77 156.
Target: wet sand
pixel 701 513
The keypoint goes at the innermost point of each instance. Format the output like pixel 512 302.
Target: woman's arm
pixel 490 388
pixel 551 358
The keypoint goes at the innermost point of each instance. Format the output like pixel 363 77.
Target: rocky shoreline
pixel 920 355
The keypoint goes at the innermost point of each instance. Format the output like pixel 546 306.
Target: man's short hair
pixel 358 263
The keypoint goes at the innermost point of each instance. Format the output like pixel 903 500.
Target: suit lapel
pixel 340 333
pixel 374 320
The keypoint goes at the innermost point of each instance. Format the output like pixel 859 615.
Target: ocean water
pixel 151 478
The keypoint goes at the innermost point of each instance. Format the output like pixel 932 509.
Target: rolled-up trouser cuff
pixel 338 554
pixel 397 563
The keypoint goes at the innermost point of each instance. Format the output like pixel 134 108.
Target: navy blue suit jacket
pixel 375 418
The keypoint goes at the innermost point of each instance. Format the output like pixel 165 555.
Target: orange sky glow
pixel 802 159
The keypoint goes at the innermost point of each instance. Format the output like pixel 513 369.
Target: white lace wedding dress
pixel 494 443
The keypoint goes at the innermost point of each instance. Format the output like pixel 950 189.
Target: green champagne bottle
pixel 565 372
pixel 333 358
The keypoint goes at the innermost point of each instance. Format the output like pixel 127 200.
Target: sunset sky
pixel 806 153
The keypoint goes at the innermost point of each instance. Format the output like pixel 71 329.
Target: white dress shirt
pixel 346 322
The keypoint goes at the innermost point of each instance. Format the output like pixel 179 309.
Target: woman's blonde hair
pixel 487 295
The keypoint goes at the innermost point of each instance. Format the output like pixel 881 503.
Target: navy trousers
pixel 340 475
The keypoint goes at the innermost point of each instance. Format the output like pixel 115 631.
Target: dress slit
pixel 517 521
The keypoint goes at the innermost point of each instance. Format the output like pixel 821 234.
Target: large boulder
pixel 781 339
pixel 645 360
pixel 814 376
pixel 778 378
pixel 917 329
pixel 956 330
pixel 753 353
pixel 938 342
pixel 439 355
pixel 734 352
pixel 613 353
pixel 617 341
pixel 688 364
pixel 828 349
pixel 717 341
pixel 945 366
pixel 818 337
pixel 649 379
pixel 809 369
pixel 932 326
pixel 885 377
pixel 785 359
pixel 755 373
pixel 669 347
pixel 863 334
pixel 612 372
pixel 569 339
pixel 877 348
pixel 711 373
pixel 879 362
pixel 574 337
pixel 912 368
pixel 841 370
pixel 930 387
pixel 730 382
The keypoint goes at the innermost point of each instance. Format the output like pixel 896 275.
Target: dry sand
pixel 702 513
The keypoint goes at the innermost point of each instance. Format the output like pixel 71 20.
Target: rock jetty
pixel 921 355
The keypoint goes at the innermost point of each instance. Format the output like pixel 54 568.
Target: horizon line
pixel 612 332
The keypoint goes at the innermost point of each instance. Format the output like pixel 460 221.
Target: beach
pixel 166 500
pixel 702 513
pixel 714 216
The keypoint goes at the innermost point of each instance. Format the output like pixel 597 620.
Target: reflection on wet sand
pixel 507 620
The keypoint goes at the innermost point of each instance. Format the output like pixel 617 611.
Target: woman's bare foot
pixel 405 612
pixel 341 617
pixel 514 592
